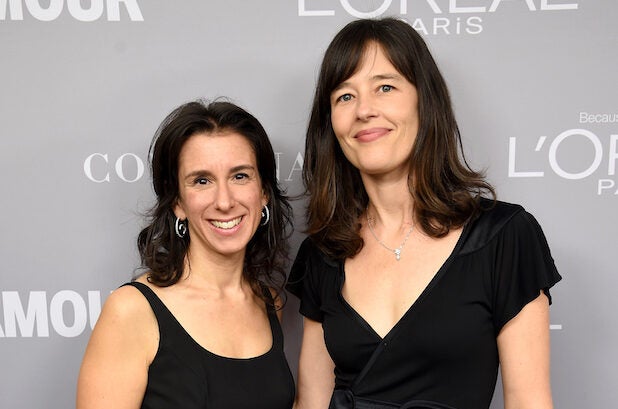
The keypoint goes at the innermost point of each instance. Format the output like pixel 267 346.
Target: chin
pixel 233 249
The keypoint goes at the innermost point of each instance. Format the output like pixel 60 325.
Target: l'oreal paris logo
pixel 87 11
pixel 436 6
pixel 585 158
pixel 450 16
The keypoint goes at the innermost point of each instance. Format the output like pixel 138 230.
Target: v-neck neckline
pixel 391 332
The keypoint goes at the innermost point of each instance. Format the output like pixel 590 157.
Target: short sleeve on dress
pixel 524 267
pixel 304 280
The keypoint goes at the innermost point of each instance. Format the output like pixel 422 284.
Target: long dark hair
pixel 162 251
pixel 445 189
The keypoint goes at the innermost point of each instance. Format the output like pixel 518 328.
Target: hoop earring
pixel 265 215
pixel 180 227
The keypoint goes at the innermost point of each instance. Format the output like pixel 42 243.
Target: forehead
pixel 218 149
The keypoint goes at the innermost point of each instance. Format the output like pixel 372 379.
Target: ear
pixel 265 198
pixel 179 211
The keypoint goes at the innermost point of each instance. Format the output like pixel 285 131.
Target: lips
pixel 226 225
pixel 371 134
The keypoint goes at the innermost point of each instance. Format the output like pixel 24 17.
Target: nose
pixel 365 107
pixel 224 199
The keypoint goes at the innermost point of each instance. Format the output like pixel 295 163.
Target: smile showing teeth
pixel 226 225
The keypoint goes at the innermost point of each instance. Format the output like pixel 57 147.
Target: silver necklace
pixel 396 251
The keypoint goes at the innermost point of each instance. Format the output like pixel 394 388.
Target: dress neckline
pixel 424 294
pixel 270 314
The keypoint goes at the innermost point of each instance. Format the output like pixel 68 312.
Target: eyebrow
pixel 235 169
pixel 377 77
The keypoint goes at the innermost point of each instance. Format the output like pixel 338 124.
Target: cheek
pixel 256 199
pixel 337 122
pixel 195 201
pixel 412 113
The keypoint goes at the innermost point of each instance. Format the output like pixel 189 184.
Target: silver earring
pixel 265 215
pixel 181 228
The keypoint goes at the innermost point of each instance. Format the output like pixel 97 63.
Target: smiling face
pixel 374 114
pixel 220 192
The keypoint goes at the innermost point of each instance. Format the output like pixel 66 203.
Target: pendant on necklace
pixel 396 251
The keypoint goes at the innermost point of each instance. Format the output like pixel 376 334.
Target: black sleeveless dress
pixel 185 375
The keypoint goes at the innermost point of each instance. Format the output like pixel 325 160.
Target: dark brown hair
pixel 445 189
pixel 162 252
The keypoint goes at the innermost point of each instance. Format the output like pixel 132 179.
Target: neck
pixel 219 273
pixel 390 203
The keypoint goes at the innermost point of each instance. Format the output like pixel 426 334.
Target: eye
pixel 386 88
pixel 241 177
pixel 201 181
pixel 344 98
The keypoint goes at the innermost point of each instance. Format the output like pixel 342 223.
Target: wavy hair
pixel 162 252
pixel 444 188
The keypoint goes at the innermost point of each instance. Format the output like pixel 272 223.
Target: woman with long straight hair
pixel 416 284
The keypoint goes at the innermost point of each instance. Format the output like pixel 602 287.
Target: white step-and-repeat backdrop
pixel 84 84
